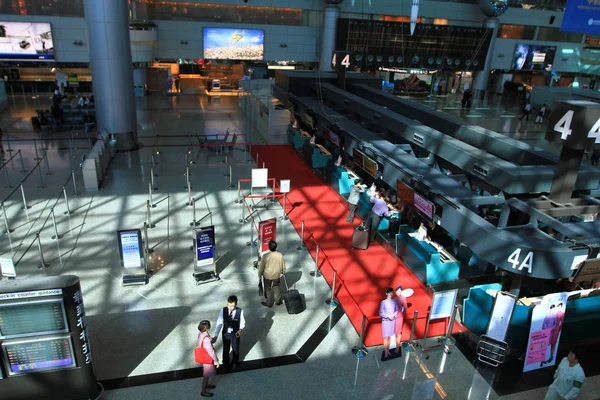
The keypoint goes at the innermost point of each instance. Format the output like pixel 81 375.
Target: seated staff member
pixel 380 209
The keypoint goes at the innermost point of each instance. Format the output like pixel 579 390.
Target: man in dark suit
pixel 231 320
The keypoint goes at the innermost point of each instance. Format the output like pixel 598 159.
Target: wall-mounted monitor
pixel 358 156
pixel 234 44
pixel 424 206
pixel 26 41
pixel 405 193
pixel 529 57
pixel 40 354
pixel 32 318
pixel 370 166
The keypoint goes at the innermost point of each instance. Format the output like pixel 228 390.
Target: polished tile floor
pixel 145 334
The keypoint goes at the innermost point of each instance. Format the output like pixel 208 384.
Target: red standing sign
pixel 267 230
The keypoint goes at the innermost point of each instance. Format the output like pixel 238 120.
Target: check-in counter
pixel 297 137
pixel 316 155
pixel 430 264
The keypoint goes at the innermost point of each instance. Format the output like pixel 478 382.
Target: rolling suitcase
pixel 293 300
pixel 360 238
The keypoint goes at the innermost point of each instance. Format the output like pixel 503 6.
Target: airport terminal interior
pixel 429 172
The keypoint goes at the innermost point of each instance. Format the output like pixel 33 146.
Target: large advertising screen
pixel 234 44
pixel 529 57
pixel 21 41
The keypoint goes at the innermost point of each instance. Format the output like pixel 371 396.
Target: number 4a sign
pixel 576 123
pixel 518 264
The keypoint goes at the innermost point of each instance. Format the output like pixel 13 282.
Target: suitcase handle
pixel 287 288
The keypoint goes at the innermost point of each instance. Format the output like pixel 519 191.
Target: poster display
pixel 442 304
pixel 423 205
pixel 130 248
pixel 205 246
pixel 267 230
pixel 581 16
pixel 234 44
pixel 544 335
pixel 22 41
pixel 504 306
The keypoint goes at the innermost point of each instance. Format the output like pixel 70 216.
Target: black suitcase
pixel 360 238
pixel 294 301
pixel 394 227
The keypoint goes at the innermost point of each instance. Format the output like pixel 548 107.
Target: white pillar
pixel 481 79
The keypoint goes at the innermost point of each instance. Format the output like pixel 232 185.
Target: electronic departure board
pixel 32 318
pixel 52 352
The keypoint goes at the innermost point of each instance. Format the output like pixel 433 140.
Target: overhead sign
pixel 130 249
pixel 504 306
pixel 442 304
pixel 544 335
pixel 7 267
pixel 267 232
pixel 205 246
pixel 574 123
pixel 581 16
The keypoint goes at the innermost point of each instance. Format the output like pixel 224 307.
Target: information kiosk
pixel 45 350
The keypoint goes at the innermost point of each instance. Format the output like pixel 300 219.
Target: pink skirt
pixel 399 324
pixel 209 370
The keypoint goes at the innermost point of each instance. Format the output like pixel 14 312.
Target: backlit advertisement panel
pixel 21 41
pixel 234 44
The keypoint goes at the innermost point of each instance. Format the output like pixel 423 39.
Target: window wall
pixel 57 8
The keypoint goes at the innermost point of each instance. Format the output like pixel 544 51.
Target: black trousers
pixel 372 224
pixel 231 343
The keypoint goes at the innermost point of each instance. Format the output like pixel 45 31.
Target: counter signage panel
pixel 405 193
pixel 22 357
pixel 32 318
pixel 424 206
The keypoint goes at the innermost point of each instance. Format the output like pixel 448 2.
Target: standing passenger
pixel 272 268
pixel 354 198
pixel 208 369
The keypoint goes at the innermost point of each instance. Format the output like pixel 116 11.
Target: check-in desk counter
pixel 297 138
pixel 431 265
pixel 316 155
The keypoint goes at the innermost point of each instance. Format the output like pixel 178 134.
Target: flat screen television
pixel 405 193
pixel 26 41
pixel 32 318
pixel 370 166
pixel 529 57
pixel 234 44
pixel 358 157
pixel 40 354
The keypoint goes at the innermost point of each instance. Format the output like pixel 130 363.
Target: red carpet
pixel 365 274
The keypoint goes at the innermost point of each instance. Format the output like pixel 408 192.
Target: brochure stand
pixel 442 307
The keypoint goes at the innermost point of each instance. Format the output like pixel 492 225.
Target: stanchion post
pixel 43 263
pixel 249 155
pixel 150 224
pixel 230 177
pixel 316 273
pixel 147 248
pixel 48 164
pixel 23 170
pixel 71 147
pixel 42 186
pixel 359 350
pixel 75 192
pixel 68 212
pixel 9 149
pixel 8 185
pixel 190 204
pixel 150 195
pixel 449 340
pixel 239 199
pixel 302 246
pixel 8 230
pixel 284 216
pixel 331 300
pixel 25 206
pixel 37 156
pixel 409 346
pixel 152 178
pixel 193 223
pixel 56 235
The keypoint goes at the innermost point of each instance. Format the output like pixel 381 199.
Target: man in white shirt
pixel 231 320
pixel 568 379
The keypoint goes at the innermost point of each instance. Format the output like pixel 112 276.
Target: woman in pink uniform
pixel 388 311
pixel 204 340
pixel 401 300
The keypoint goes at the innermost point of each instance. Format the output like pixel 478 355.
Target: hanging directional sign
pixel 575 123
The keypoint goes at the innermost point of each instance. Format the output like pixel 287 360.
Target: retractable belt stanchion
pixel 9 149
pixel 48 164
pixel 68 212
pixel 56 235
pixel 150 195
pixel 37 156
pixel 42 186
pixel 302 246
pixel 23 170
pixel 230 177
pixel 152 178
pixel 449 340
pixel 43 263
pixel 8 230
pixel 25 206
pixel 189 187
pixel 409 346
pixel 316 273
pixel 194 223
pixel 239 199
pixel 75 193
pixel 147 248
pixel 8 185
pixel 359 350
pixel 187 176
pixel 150 224
pixel 331 300
pixel 226 164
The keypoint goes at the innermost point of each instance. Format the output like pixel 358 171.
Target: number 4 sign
pixel 345 60
pixel 576 123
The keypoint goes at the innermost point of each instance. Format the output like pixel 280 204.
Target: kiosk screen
pixel 40 354
pixel 32 318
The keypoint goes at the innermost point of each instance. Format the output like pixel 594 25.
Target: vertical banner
pixel 205 246
pixel 267 231
pixel 546 325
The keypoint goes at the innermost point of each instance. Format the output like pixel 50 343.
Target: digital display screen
pixel 528 57
pixel 405 193
pixel 205 245
pixel 130 246
pixel 234 44
pixel 41 354
pixel 423 205
pixel 358 157
pixel 334 138
pixel 32 318
pixel 22 41
pixel 370 166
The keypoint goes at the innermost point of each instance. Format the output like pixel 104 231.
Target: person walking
pixel 380 209
pixel 541 114
pixel 208 370
pixel 231 320
pixel 568 379
pixel 271 269
pixel 526 112
pixel 388 310
pixel 354 198
pixel 402 306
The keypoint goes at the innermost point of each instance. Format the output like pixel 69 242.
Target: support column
pixel 328 36
pixel 112 72
pixel 481 79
